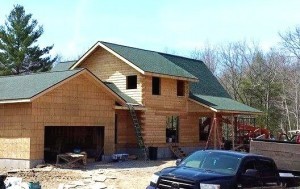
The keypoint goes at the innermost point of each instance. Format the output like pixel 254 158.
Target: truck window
pixel 249 165
pixel 266 168
pixel 268 172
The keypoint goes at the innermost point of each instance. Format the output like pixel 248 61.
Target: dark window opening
pixel 180 88
pixel 204 128
pixel 155 85
pixel 172 129
pixel 131 82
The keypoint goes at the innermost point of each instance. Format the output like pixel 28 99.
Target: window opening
pixel 155 85
pixel 172 129
pixel 131 82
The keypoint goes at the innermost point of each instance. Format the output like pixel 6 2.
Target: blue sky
pixel 162 25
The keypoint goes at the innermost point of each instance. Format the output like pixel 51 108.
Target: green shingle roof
pixel 208 84
pixel 27 86
pixel 149 61
pixel 223 103
pixel 62 66
pixel 125 97
pixel 208 90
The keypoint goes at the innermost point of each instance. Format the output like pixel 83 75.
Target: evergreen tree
pixel 18 51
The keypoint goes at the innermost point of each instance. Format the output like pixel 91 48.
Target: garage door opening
pixel 63 139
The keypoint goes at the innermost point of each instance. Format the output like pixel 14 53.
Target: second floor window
pixel 180 88
pixel 155 85
pixel 131 82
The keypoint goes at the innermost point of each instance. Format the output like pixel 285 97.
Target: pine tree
pixel 18 51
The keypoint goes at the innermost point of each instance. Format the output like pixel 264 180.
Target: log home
pixel 114 99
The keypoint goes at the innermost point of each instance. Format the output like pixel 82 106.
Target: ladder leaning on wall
pixel 138 132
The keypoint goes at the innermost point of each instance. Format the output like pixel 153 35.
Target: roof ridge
pixel 38 73
pixel 181 57
pixel 151 51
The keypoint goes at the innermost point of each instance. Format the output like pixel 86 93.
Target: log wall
pixel 109 68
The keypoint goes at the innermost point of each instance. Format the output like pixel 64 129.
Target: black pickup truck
pixel 216 169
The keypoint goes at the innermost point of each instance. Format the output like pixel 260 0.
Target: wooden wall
pixel 153 120
pixel 15 130
pixel 109 68
pixel 159 107
pixel 78 102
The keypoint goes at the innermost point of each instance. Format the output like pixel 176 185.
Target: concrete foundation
pixel 19 163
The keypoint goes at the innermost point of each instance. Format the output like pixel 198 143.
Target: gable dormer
pixel 129 69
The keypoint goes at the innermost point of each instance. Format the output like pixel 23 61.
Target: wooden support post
pixel 233 132
pixel 235 124
pixel 215 130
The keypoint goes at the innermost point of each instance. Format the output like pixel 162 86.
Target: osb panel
pixel 15 148
pixel 109 68
pixel 15 127
pixel 125 129
pixel 78 102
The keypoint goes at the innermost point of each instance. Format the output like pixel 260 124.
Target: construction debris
pixel 100 175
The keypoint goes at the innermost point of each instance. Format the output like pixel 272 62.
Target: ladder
pixel 177 151
pixel 138 131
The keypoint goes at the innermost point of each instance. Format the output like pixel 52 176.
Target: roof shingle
pixel 27 86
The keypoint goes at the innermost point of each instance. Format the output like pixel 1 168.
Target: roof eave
pixel 227 111
pixel 240 112
pixel 13 101
pixel 172 77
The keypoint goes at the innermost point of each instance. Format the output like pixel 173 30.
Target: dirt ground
pixel 133 174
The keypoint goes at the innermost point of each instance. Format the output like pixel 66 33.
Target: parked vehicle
pixel 216 169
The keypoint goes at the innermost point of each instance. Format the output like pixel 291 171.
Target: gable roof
pixel 208 91
pixel 27 86
pixel 23 88
pixel 144 61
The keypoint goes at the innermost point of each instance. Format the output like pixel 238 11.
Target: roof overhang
pixel 226 111
pixel 170 77
pixel 13 101
pixel 99 44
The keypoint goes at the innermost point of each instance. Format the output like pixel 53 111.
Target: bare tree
pixel 209 55
pixel 291 41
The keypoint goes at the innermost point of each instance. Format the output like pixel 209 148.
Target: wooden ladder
pixel 138 131
pixel 177 151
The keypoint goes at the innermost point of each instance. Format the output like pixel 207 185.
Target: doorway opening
pixel 172 127
pixel 75 139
